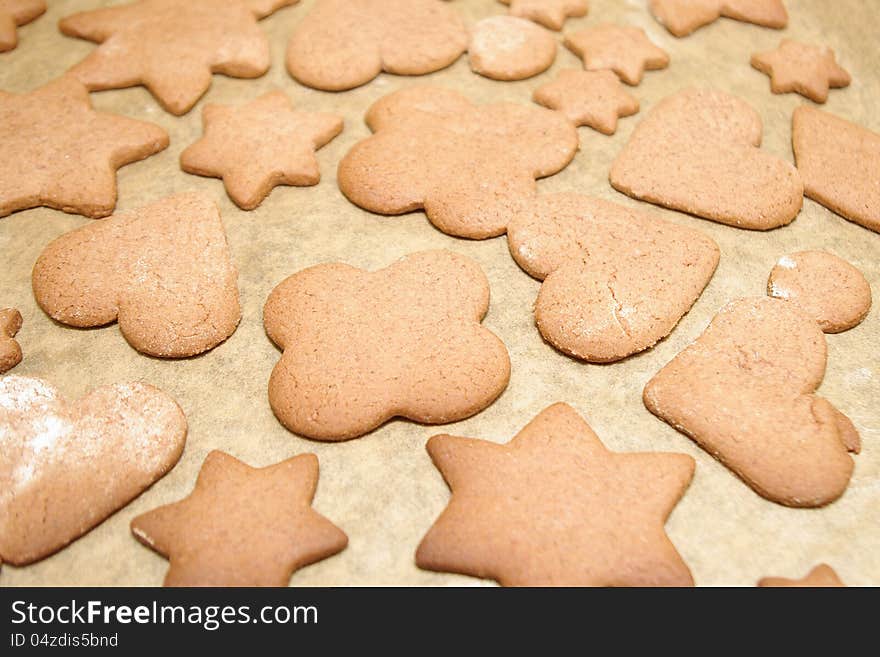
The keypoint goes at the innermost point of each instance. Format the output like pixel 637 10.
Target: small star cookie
pixel 242 526
pixel 60 153
pixel 554 507
pixel 803 68
pixel 682 17
pixel 592 98
pixel 260 145
pixel 822 575
pixel 625 50
pixel 549 13
pixel 14 13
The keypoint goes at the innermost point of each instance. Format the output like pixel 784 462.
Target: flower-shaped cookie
pixel 14 13
pixel 469 167
pixel 361 347
pixel 342 44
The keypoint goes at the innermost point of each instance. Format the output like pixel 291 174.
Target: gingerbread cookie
pixel 592 98
pixel 838 161
pixel 10 351
pixel 163 271
pixel 744 391
pixel 66 466
pixel 61 153
pixel 697 151
pixel 554 507
pixel 827 288
pixel 14 13
pixel 681 17
pixel 259 145
pixel 468 166
pixel 172 47
pixel 361 348
pixel 803 68
pixel 242 526
pixel 342 44
pixel 549 13
pixel 616 281
pixel 822 576
pixel 625 50
pixel 510 48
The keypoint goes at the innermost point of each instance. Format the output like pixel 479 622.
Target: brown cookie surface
pixel 10 351
pixel 259 145
pixel 803 68
pixel 549 13
pixel 172 47
pixel 744 391
pixel 361 347
pixel 510 48
pixel 623 49
pixel 342 44
pixel 69 465
pixel 14 13
pixel 242 526
pixel 554 507
pixel 616 280
pixel 697 151
pixel 163 271
pixel 682 17
pixel 838 161
pixel 592 98
pixel 60 153
pixel 822 576
pixel 468 166
pixel 825 287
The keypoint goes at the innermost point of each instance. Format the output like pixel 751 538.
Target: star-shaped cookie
pixel 59 152
pixel 242 526
pixel 681 17
pixel 803 68
pixel 172 47
pixel 822 576
pixel 625 50
pixel 591 98
pixel 260 145
pixel 14 13
pixel 549 13
pixel 555 507
pixel 10 350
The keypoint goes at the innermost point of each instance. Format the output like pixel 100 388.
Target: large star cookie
pixel 61 153
pixel 468 166
pixel 549 13
pixel 260 145
pixel 554 507
pixel 625 50
pixel 14 13
pixel 681 17
pixel 172 47
pixel 591 98
pixel 342 44
pixel 363 347
pixel 802 67
pixel 242 526
pixel 822 576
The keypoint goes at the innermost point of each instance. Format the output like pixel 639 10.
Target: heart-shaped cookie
pixel 66 466
pixel 697 151
pixel 616 280
pixel 163 270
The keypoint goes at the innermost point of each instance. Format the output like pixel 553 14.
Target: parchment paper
pixel 382 488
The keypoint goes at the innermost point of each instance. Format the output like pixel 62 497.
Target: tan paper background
pixel 382 489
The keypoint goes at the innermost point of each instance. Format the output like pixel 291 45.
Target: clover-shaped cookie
pixel 468 166
pixel 172 47
pixel 744 391
pixel 66 466
pixel 681 17
pixel 14 13
pixel 164 271
pixel 10 351
pixel 698 151
pixel 616 280
pixel 363 347
pixel 342 44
